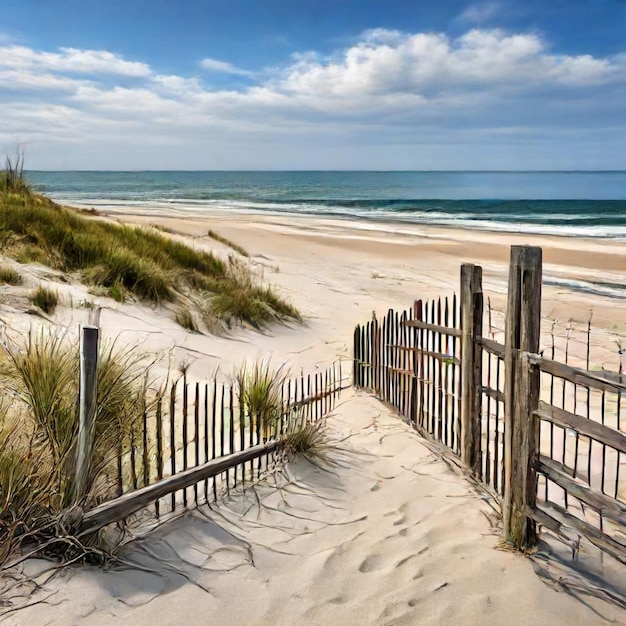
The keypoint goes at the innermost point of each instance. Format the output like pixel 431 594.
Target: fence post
pixel 376 347
pixel 471 363
pixel 522 385
pixel 357 356
pixel 88 384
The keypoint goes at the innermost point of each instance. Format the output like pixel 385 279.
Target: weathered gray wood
pixel 511 343
pixel 522 385
pixel 576 375
pixel 598 538
pixel 130 503
pixel 582 425
pixel 444 330
pixel 609 507
pixel 375 355
pixel 492 347
pixel 87 403
pixel 471 358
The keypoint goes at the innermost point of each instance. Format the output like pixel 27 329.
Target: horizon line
pixel 449 171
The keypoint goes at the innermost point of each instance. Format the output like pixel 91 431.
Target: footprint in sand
pixel 371 564
pixel 337 600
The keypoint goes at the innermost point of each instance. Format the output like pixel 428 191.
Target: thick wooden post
pixel 521 397
pixel 86 408
pixel 471 364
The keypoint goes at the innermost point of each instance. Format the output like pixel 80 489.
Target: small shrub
pixel 9 276
pixel 46 299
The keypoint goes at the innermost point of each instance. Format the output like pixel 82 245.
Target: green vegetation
pixel 307 440
pixel 260 394
pixel 227 242
pixel 38 436
pixel 46 299
pixel 12 179
pixel 184 318
pixel 130 262
pixel 9 276
pixel 238 297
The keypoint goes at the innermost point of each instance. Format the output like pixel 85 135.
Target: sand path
pixel 385 534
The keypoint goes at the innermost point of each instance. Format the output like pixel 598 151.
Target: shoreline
pixel 203 211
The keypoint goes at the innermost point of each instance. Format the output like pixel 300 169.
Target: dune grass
pixel 38 432
pixel 45 298
pixel 260 393
pixel 9 276
pixel 260 388
pixel 227 242
pixel 184 318
pixel 140 263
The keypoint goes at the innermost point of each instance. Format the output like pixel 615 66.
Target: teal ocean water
pixel 588 204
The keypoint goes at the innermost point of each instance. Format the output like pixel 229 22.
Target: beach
pixel 388 534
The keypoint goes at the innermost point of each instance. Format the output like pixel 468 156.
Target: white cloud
pixel 480 13
pixel 177 85
pixel 427 64
pixel 402 88
pixel 71 60
pixel 213 65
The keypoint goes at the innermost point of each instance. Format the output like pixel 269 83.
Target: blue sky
pixel 335 84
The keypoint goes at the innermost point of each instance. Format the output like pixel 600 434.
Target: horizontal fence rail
pixel 545 438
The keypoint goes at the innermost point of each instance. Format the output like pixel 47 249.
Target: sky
pixel 314 84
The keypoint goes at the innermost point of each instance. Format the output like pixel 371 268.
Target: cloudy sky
pixel 314 84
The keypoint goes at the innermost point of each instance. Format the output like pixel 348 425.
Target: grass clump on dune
pixel 227 242
pixel 9 276
pixel 45 298
pixel 39 432
pixel 184 318
pixel 240 298
pixel 260 394
pixel 130 262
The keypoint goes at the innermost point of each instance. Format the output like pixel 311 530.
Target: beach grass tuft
pixel 259 388
pixel 227 242
pixel 308 440
pixel 9 276
pixel 184 318
pixel 45 298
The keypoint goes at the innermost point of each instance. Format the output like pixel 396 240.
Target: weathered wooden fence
pixel 547 439
pixel 196 442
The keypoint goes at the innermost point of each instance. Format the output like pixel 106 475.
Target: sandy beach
pixel 388 533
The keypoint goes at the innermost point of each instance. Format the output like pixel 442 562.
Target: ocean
pixel 579 204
